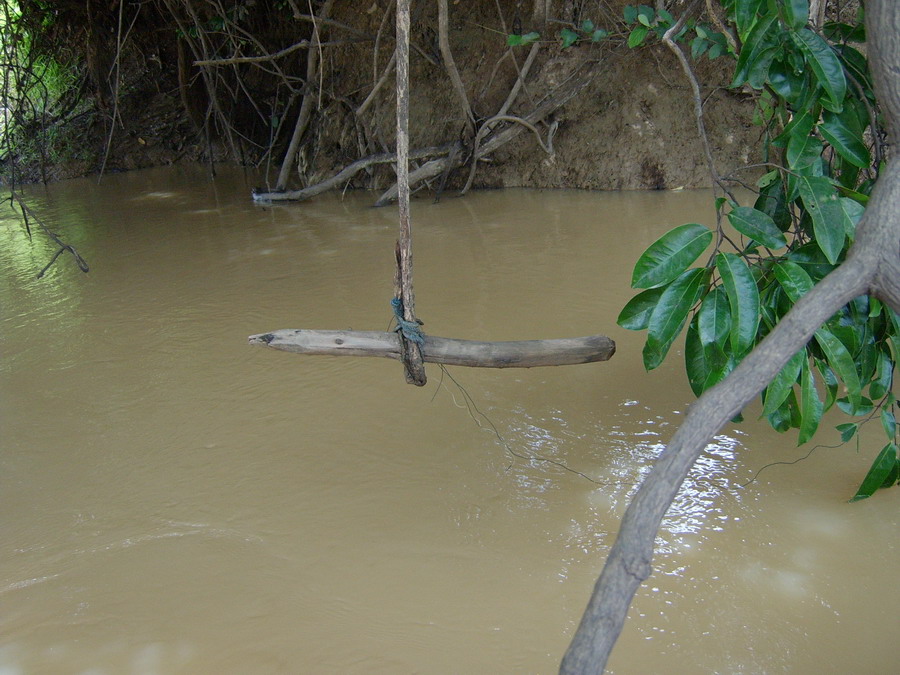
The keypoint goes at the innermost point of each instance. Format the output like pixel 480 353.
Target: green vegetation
pixel 823 148
pixel 823 145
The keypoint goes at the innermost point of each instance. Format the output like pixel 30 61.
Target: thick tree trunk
pixel 872 266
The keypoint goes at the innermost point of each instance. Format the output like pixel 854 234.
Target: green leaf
pixel 851 211
pixel 706 365
pixel 841 363
pixel 696 364
pixel 630 14
pixel 785 82
pixel 793 279
pixel 831 383
pixel 636 314
pixel 777 391
pixel 839 32
pixel 599 35
pixel 670 314
pixel 888 423
pixel 812 260
pixel 758 226
pixel 647 12
pixel 670 255
pixel 519 40
pixel 743 296
pixel 802 151
pixel 824 63
pixel 699 45
pixel 714 322
pixel 745 12
pixel 820 198
pixel 844 140
pixel 637 36
pixel 587 26
pixel 768 178
pixel 796 13
pixel 884 375
pixel 847 430
pixel 810 404
pixel 643 20
pixel 865 406
pixel 569 37
pixel 757 45
pixel 883 466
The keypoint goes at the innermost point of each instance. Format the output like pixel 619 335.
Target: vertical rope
pixel 412 355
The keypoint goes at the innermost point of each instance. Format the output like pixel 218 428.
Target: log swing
pixel 408 343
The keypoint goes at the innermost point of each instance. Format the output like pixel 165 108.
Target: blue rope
pixel 410 329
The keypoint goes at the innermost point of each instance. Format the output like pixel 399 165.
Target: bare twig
pixel 303 44
pixel 27 213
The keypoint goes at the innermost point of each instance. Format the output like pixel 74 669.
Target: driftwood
pixel 449 351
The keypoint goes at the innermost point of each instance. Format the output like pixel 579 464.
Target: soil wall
pixel 631 126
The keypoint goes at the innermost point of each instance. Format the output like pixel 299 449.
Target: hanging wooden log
pixel 449 351
pixel 404 299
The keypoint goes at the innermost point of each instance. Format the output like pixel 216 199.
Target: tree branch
pixel 872 265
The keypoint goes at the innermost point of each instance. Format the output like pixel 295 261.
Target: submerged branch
pixel 27 213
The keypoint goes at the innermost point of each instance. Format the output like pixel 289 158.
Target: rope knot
pixel 409 329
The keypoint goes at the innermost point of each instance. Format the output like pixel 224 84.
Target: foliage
pixel 822 141
pixel 568 36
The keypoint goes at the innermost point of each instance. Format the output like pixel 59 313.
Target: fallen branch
pixel 344 175
pixel 449 351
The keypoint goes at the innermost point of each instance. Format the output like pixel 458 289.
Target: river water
pixel 173 500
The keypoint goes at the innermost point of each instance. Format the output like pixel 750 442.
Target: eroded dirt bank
pixel 631 126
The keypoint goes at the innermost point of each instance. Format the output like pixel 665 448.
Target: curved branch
pixel 485 128
pixel 872 266
pixel 628 564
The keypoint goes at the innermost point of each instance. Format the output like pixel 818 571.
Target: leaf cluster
pixel 822 143
pixel 568 36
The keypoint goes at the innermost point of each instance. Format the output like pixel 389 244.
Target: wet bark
pixel 872 266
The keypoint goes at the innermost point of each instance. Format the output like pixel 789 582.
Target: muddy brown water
pixel 176 501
